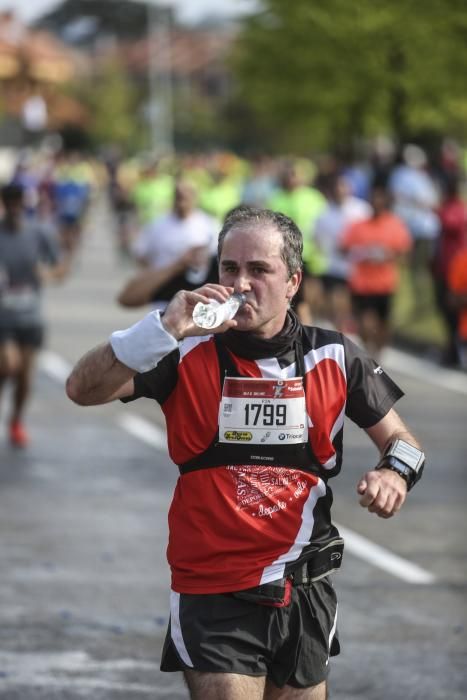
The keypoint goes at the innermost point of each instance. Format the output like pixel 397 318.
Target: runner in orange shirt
pixel 375 247
pixel 457 282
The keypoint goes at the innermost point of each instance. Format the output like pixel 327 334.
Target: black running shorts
pixel 30 336
pixel 219 633
pixel 380 304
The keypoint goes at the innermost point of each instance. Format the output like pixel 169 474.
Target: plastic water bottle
pixel 214 314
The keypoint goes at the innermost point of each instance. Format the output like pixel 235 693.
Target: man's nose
pixel 242 284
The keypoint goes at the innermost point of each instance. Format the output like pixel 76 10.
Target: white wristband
pixel 142 346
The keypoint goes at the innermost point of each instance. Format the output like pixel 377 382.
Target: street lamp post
pixel 160 78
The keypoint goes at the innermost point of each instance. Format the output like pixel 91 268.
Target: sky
pixel 187 10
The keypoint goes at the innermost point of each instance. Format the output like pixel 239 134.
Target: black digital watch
pixel 408 461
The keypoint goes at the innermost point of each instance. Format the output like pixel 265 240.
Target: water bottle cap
pixel 240 297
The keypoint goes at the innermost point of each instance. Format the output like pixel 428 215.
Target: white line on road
pixel 143 430
pixel 384 559
pixel 76 661
pixel 54 366
pixel 74 670
pixel 58 369
pixel 424 370
pixel 81 685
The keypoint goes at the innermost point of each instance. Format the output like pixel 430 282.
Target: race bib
pixel 263 411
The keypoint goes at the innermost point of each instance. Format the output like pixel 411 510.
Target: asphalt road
pixel 84 582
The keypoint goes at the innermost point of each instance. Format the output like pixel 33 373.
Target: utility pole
pixel 160 78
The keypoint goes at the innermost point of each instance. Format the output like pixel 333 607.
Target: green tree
pixel 318 74
pixel 113 104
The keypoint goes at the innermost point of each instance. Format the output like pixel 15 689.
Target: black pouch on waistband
pixel 276 594
pixel 323 562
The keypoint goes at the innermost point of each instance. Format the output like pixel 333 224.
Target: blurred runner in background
pixel 223 191
pixel 342 210
pixel 259 183
pixel 177 250
pixel 152 192
pixel 453 237
pixel 415 200
pixel 28 256
pixel 457 281
pixel 71 192
pixel 303 204
pixel 375 247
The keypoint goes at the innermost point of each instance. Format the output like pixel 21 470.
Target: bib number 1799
pixel 269 414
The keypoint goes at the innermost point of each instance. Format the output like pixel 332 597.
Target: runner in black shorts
pixel 24 248
pixel 375 247
pixel 255 412
pixel 30 336
pixel 213 642
pixel 379 304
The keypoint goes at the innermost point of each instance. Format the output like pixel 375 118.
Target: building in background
pixel 34 65
pixel 181 72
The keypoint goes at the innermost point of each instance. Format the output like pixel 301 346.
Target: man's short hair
pixel 245 216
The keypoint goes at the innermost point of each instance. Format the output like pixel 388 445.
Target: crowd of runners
pixel 362 223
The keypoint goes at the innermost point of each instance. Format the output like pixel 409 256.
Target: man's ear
pixel 293 284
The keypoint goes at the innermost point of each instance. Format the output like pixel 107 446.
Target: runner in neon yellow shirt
pixel 303 204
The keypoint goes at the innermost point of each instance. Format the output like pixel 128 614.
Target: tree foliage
pixel 318 74
pixel 113 103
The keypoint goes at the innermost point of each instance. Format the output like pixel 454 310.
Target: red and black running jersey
pixel 234 526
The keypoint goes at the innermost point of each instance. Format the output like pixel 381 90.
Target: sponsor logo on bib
pixel 238 435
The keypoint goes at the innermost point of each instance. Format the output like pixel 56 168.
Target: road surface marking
pixel 384 559
pixel 43 670
pixel 59 369
pixel 54 366
pixel 426 371
pixel 76 670
pixel 144 430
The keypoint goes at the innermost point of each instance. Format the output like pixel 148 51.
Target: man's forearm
pixel 391 428
pixel 98 377
pixel 402 435
pixel 142 288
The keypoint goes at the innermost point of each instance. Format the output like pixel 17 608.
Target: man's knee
pixel 315 692
pixel 228 686
pixel 10 359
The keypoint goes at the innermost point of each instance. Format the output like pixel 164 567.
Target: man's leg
pixel 23 379
pixel 225 686
pixel 313 295
pixel 315 692
pixel 10 358
pixel 369 330
pixel 9 361
pixel 3 372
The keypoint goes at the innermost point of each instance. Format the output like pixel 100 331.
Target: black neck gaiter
pixel 245 344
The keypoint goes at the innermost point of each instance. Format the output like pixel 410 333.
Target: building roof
pixel 184 51
pixel 37 54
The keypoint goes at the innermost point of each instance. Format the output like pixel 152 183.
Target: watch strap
pixel 400 468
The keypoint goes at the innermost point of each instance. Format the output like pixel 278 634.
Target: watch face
pixel 409 475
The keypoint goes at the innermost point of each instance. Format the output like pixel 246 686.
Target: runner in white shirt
pixel 342 210
pixel 185 235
